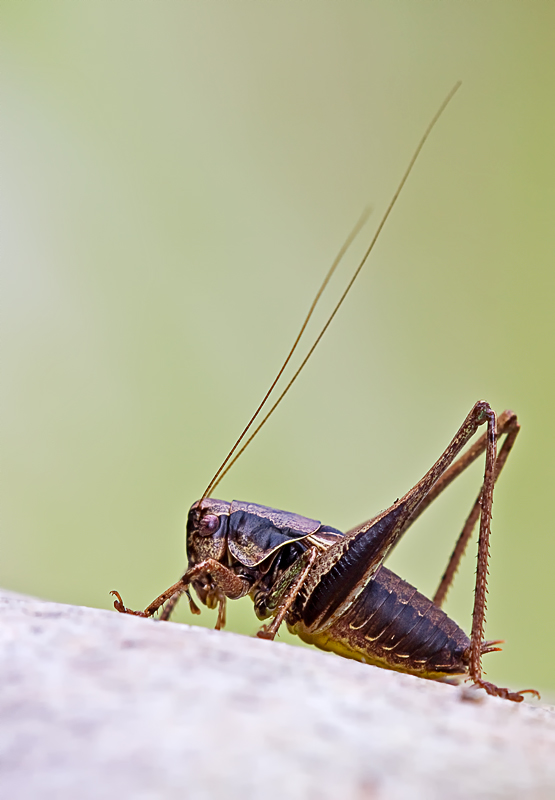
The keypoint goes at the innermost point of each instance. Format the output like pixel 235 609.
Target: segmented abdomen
pixel 392 624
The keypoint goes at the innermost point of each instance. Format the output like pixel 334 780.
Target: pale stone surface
pixel 94 704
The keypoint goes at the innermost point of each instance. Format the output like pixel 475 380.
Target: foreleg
pixel 230 584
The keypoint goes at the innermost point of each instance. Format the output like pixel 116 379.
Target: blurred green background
pixel 176 179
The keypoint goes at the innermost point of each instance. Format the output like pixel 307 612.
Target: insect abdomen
pixel 392 625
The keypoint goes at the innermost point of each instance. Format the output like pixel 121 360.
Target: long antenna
pixel 345 246
pixel 229 461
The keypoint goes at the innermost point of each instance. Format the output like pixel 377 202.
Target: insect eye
pixel 208 524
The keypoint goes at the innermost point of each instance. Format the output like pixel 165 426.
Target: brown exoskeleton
pixel 331 588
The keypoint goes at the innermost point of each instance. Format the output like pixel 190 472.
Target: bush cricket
pixel 331 588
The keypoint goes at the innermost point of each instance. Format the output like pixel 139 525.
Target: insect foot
pixel 265 633
pixel 118 605
pixel 506 694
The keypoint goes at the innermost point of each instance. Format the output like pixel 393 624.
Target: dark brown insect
pixel 330 587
